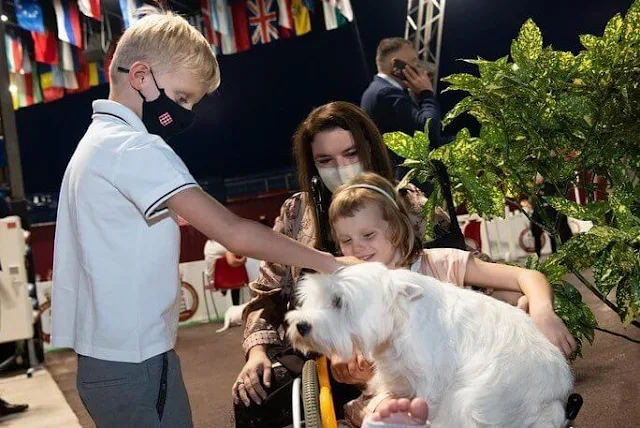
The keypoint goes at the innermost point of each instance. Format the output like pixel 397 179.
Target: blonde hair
pixel 168 42
pixel 347 201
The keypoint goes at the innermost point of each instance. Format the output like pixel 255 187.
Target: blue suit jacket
pixel 393 109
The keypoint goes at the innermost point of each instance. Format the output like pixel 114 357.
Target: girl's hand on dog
pixel 248 386
pixel 554 329
pixel 356 371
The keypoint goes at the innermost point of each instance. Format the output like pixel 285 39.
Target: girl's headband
pixel 375 189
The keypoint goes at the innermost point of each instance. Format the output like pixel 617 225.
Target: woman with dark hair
pixel 336 142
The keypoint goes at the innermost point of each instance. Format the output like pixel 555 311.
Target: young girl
pixel 369 221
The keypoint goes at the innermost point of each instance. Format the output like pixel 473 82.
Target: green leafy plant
pixel 555 114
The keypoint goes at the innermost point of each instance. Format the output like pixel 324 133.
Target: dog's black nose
pixel 303 328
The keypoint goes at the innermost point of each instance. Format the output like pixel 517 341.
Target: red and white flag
pixel 90 8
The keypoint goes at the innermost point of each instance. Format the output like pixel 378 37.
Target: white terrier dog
pixel 478 362
pixel 232 316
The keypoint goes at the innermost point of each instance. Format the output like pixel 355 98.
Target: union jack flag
pixel 263 20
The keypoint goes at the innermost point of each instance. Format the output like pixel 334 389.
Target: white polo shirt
pixel 117 246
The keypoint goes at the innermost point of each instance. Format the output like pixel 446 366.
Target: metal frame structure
pixel 424 26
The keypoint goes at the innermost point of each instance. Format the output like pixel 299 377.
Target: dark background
pixel 246 126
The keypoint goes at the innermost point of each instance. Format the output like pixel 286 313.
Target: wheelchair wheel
pixel 310 392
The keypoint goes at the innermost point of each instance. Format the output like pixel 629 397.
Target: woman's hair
pixel 369 144
pixel 348 199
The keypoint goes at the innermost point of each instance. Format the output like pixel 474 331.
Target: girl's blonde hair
pixel 347 201
pixel 168 42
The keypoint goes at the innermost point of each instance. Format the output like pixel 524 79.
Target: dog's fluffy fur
pixel 232 316
pixel 479 362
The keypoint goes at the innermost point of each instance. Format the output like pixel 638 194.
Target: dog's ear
pixel 410 291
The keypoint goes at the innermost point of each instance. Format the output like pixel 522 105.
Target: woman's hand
pixel 247 387
pixel 554 329
pixel 356 371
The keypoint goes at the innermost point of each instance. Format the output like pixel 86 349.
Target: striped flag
pixel 285 19
pixel 33 86
pixel 52 83
pixel 14 52
pixel 337 13
pixel 207 27
pixel 223 23
pixel 66 57
pixel 96 74
pixel 16 87
pixel 240 26
pixel 90 8
pixel 128 9
pixel 68 20
pixel 25 89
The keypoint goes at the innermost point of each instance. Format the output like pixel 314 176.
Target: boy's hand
pixel 349 260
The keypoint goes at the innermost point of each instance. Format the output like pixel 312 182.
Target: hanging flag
pixel 25 89
pixel 14 52
pixel 285 19
pixel 94 80
pixel 32 93
pixel 70 80
pixel 68 20
pixel 45 47
pixel 103 73
pixel 66 55
pixel 301 17
pixel 128 9
pixel 81 73
pixel 96 74
pixel 79 58
pixel 90 8
pixel 263 20
pixel 16 87
pixel 207 26
pixel 52 83
pixel 240 26
pixel 224 24
pixel 309 5
pixel 344 6
pixel 26 63
pixel 29 15
pixel 337 13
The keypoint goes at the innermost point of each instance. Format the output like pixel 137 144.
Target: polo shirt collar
pixel 115 109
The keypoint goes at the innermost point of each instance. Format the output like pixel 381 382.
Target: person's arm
pixel 264 314
pixel 410 116
pixel 245 236
pixel 534 286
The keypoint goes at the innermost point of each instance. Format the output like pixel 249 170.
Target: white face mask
pixel 334 177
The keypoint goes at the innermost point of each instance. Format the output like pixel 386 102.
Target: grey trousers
pixel 150 394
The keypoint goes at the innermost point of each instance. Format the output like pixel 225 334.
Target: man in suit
pixel 402 98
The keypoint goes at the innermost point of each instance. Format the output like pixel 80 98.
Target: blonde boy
pixel 115 292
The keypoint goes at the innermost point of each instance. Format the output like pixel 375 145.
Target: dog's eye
pixel 337 302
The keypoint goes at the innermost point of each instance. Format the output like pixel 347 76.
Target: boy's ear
pixel 138 72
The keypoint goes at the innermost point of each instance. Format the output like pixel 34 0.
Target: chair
pixel 225 277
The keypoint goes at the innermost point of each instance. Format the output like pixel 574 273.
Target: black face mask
pixel 163 116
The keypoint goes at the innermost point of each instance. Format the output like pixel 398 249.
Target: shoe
pixel 9 409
